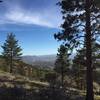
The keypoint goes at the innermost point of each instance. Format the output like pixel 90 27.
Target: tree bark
pixel 62 77
pixel 89 76
pixel 11 62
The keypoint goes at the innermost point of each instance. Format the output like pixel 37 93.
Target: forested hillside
pixel 50 50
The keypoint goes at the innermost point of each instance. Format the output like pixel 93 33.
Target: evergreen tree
pixel 79 69
pixel 11 50
pixel 79 61
pixel 80 58
pixel 62 63
pixel 81 26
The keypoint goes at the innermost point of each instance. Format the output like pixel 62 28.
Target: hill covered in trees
pixel 62 76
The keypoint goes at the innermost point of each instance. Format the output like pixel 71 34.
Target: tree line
pixel 81 28
pixel 11 59
pixel 80 33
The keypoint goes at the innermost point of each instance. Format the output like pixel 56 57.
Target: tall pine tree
pixel 78 69
pixel 79 61
pixel 62 63
pixel 11 50
pixel 81 26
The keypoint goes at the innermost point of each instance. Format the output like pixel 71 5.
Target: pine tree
pixel 79 61
pixel 79 69
pixel 11 50
pixel 81 26
pixel 62 62
pixel 80 58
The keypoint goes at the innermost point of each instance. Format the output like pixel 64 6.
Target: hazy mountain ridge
pixel 43 60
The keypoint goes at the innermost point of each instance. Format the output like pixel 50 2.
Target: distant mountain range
pixel 42 61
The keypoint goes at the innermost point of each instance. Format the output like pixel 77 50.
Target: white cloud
pixel 20 16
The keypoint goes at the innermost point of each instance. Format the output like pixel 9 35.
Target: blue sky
pixel 34 23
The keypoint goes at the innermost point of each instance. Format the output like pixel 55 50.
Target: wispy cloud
pixel 22 17
pixel 17 15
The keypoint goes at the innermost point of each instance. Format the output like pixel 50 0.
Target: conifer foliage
pixel 62 63
pixel 81 26
pixel 11 50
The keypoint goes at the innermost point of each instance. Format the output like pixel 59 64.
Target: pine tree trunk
pixel 89 76
pixel 11 62
pixel 62 77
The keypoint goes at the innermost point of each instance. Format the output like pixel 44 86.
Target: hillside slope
pixel 11 80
